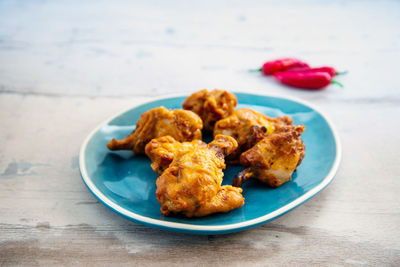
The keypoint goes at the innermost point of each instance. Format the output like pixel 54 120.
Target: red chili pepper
pixel 332 71
pixel 282 64
pixel 305 79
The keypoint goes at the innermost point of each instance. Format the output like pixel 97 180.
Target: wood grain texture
pixel 67 66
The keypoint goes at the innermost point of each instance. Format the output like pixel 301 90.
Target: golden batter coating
pixel 162 151
pixel 182 125
pixel 274 159
pixel 191 185
pixel 211 106
pixel 248 127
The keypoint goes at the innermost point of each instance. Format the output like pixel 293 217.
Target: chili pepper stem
pixel 338 83
pixel 257 70
pixel 342 72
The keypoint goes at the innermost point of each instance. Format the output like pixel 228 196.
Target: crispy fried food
pixel 182 125
pixel 248 127
pixel 162 151
pixel 274 159
pixel 191 184
pixel 211 106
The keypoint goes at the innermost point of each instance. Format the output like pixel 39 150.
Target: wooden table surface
pixel 68 66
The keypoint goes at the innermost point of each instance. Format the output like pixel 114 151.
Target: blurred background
pixel 131 48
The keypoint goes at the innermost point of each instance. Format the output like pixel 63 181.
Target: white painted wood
pixel 66 67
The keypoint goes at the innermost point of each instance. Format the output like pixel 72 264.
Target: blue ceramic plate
pixel 125 183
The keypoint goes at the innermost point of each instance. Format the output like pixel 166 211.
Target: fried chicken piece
pixel 162 151
pixel 182 125
pixel 248 127
pixel 211 106
pixel 274 159
pixel 191 185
